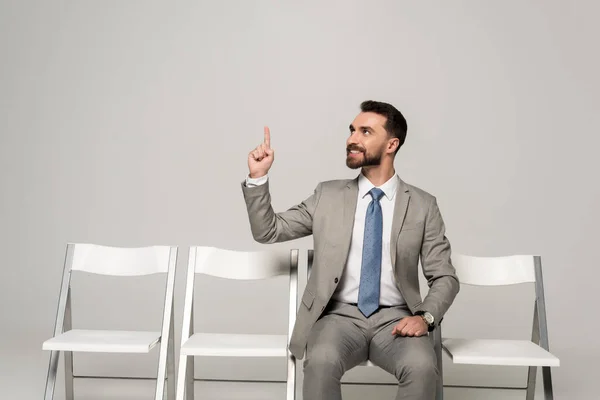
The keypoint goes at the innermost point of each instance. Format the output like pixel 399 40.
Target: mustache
pixel 354 147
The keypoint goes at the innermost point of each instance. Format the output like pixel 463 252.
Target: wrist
pixel 256 175
pixel 427 319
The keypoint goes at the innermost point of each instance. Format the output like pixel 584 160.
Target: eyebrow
pixel 351 127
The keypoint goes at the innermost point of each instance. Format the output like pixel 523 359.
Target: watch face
pixel 428 318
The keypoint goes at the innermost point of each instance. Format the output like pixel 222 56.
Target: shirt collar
pixel 388 188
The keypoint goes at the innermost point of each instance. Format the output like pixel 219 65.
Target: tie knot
pixel 376 194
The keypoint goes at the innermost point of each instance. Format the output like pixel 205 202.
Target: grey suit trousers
pixel 343 338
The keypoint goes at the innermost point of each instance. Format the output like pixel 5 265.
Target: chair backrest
pixel 120 261
pixel 494 271
pixel 508 270
pixel 239 265
pixel 108 260
pixel 246 265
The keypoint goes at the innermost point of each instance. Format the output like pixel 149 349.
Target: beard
pixel 364 160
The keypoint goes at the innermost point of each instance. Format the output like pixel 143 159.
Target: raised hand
pixel 261 158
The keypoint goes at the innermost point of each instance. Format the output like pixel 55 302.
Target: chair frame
pixel 186 378
pixel 435 336
pixel 63 323
pixel 539 336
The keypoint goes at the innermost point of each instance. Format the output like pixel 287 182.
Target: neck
pixel 379 174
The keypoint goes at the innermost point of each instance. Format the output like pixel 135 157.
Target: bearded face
pixel 358 156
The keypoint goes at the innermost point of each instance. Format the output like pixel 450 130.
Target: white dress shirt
pixel 347 289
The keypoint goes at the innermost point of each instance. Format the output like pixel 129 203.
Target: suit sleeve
pixel 270 227
pixel 437 266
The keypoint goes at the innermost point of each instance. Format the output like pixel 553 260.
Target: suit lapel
pixel 350 201
pixel 400 207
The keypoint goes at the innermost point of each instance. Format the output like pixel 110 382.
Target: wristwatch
pixel 428 318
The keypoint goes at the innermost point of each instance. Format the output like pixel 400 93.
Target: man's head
pixel 376 133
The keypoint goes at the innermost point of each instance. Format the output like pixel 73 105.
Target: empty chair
pixel 237 265
pixel 104 260
pixel 497 271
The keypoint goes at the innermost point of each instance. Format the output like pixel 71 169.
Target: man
pixel 362 299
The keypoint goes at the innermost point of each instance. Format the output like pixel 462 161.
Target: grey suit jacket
pixel 328 214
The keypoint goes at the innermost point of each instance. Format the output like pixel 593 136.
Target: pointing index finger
pixel 267 137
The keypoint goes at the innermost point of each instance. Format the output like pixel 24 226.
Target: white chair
pixel 435 336
pixel 237 265
pixel 113 261
pixel 532 353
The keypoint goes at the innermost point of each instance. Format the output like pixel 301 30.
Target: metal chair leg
pixel 189 379
pixel 159 393
pixel 69 376
pixel 67 325
pixel 547 379
pixel 165 369
pixel 531 378
pixel 181 377
pixel 171 365
pixel 535 338
pixel 63 318
pixel 51 378
pixel 437 345
pixel 541 325
pixel 291 377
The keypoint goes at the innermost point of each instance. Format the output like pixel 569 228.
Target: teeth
pixel 354 151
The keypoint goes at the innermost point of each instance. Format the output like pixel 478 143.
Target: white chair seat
pixel 235 345
pixel 498 352
pixel 104 341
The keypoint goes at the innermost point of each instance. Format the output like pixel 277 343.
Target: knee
pixel 323 363
pixel 421 369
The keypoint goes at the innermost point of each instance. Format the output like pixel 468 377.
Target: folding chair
pixel 237 265
pixel 435 336
pixel 497 271
pixel 97 259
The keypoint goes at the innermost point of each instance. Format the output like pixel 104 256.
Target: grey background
pixel 129 123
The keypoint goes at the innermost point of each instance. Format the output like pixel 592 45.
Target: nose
pixel 352 139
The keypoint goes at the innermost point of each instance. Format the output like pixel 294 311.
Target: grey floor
pixel 134 390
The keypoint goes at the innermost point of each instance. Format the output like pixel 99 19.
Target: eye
pixel 365 131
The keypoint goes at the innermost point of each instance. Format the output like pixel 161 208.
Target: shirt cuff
pixel 251 182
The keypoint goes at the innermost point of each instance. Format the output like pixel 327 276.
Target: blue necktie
pixel 370 273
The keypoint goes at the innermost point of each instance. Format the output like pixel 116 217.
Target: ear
pixel 393 145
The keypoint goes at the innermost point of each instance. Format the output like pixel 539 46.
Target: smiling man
pixel 362 300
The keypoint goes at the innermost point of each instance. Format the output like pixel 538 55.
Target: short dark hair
pixel 395 125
